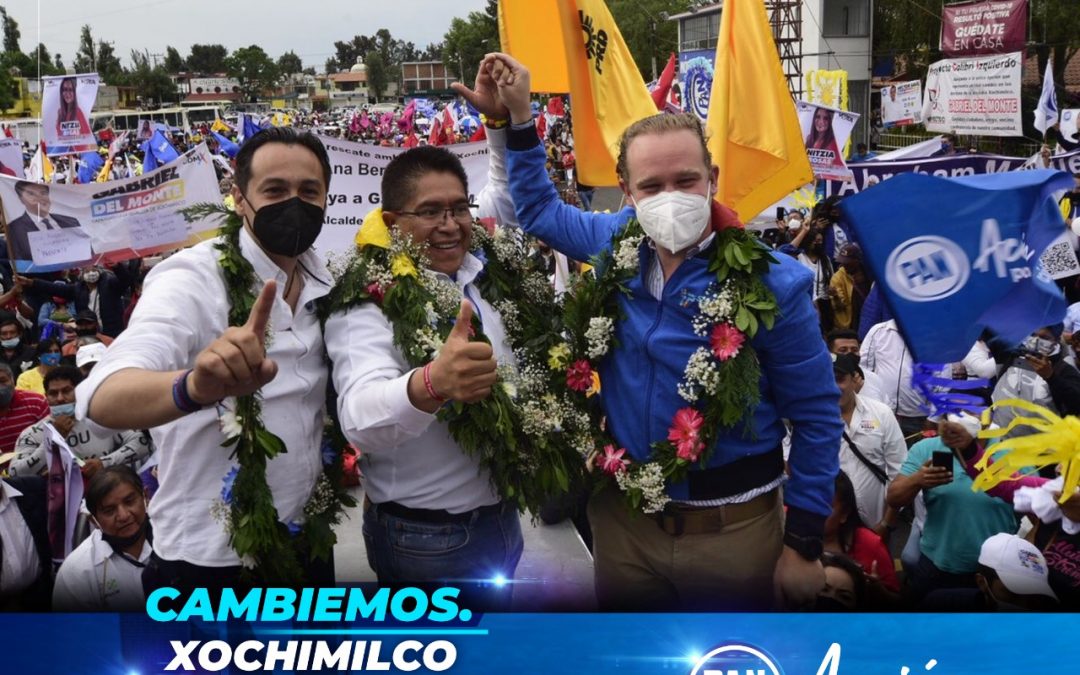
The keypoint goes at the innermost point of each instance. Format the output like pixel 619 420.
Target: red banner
pixel 988 27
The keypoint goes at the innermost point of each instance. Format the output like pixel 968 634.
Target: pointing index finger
pixel 259 317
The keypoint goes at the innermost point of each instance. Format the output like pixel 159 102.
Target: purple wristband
pixel 180 396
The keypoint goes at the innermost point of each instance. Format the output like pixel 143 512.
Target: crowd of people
pixel 849 494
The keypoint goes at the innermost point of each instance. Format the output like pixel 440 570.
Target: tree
pixel 58 62
pixel 174 63
pixel 11 32
pixel 254 70
pixel 647 32
pixel 377 76
pixel 349 53
pixel 108 65
pixel 433 52
pixel 289 63
pixel 86 56
pixel 7 87
pixel 331 65
pixel 468 40
pixel 152 84
pixel 41 53
pixel 207 59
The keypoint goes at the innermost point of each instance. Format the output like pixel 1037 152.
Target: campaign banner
pixel 802 643
pixel 11 158
pixel 988 27
pixel 901 104
pixel 355 186
pixel 66 102
pixel 53 227
pixel 826 131
pixel 974 96
pixel 869 174
pixel 696 76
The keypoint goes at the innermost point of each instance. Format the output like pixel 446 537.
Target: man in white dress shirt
pixel 431 515
pixel 178 357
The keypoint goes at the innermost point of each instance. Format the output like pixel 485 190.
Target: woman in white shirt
pixel 104 574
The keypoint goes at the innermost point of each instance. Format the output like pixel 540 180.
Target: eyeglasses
pixel 433 215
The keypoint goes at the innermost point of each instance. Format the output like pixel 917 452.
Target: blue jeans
pixel 467 555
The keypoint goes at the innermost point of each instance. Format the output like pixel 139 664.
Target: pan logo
pixel 736 659
pixel 927 269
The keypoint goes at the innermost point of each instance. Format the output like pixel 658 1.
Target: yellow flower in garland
pixel 402 266
pixel 373 231
pixel 593 389
pixel 559 356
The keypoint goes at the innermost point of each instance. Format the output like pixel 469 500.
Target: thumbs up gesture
pixel 464 371
pixel 235 364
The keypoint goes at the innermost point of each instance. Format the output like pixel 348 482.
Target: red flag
pixel 410 141
pixel 663 85
pixel 555 106
pixel 7 132
pixel 541 126
pixel 478 135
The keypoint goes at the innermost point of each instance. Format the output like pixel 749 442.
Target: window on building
pixel 700 32
pixel 846 18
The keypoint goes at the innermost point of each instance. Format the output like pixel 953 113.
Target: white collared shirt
pixel 96 578
pixel 183 309
pixel 21 564
pixel 884 352
pixel 654 279
pixel 876 432
pixel 407 456
pixel 36 220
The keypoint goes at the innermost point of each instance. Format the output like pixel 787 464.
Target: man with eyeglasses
pixel 431 515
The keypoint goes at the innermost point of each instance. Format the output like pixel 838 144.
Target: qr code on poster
pixel 1059 260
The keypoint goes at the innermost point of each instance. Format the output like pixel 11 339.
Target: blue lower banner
pixel 697 644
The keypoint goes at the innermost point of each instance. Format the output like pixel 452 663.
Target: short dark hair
pixel 402 173
pixel 69 373
pixel 20 187
pixel 854 570
pixel 286 135
pixel 108 479
pixel 845 494
pixel 10 319
pixel 840 334
pixel 45 345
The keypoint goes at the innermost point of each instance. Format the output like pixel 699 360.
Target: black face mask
pixel 288 228
pixel 121 543
pixel 86 332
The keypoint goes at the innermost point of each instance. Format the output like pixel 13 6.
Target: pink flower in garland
pixel 375 291
pixel 579 376
pixel 611 461
pixel 726 341
pixel 685 433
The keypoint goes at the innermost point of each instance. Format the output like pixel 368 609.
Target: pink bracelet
pixel 430 387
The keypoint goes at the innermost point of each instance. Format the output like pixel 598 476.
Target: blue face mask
pixel 9 344
pixel 62 409
pixel 50 359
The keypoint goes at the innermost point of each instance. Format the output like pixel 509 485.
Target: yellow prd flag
pixel 754 131
pixel 220 126
pixel 607 92
pixel 529 31
pixel 103 175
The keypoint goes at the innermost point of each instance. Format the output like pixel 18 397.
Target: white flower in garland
pixel 430 341
pixel 649 480
pixel 598 336
pixel 231 425
pixel 701 374
pixel 627 254
pixel 508 311
pixel 715 307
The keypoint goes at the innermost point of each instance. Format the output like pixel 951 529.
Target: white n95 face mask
pixel 674 220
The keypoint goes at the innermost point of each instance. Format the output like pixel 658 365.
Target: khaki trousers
pixel 640 567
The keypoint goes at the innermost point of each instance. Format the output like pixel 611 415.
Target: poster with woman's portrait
pixel 66 102
pixel 827 131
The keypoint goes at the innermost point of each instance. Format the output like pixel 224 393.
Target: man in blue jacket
pixel 721 542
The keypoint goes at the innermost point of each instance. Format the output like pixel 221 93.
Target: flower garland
pixel 720 381
pixel 524 433
pixel 266 546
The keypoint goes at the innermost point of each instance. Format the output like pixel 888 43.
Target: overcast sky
pixel 308 27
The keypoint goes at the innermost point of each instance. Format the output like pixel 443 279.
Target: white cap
pixel 1019 565
pixel 971 424
pixel 91 353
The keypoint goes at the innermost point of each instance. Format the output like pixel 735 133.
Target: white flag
pixel 1046 113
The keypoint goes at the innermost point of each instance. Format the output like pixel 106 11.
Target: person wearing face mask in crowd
pixel 48 356
pixel 733 504
pixel 18 355
pixel 98 290
pixel 97 447
pixel 1039 373
pixel 86 331
pixel 179 357
pixel 18 410
pixel 810 241
pixel 104 573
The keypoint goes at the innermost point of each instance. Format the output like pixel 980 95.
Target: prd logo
pixel 927 268
pixel 736 659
